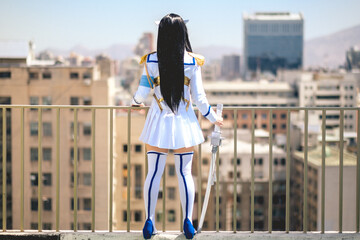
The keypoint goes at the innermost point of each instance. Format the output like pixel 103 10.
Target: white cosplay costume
pixel 168 130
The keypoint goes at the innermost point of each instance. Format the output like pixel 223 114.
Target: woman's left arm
pixel 143 90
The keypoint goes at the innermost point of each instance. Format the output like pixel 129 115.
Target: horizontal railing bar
pixel 139 108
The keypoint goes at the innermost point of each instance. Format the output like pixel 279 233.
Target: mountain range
pixel 323 51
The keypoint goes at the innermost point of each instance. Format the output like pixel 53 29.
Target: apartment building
pixel 26 81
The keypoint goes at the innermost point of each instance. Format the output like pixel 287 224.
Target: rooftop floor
pixel 118 235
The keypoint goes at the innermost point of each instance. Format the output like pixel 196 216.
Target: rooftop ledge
pixel 208 235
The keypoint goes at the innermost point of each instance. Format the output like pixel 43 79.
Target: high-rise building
pixel 273 40
pixel 352 58
pixel 27 82
pixel 230 67
pixel 145 44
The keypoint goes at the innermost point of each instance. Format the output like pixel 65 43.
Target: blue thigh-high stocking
pixel 183 163
pixel 156 165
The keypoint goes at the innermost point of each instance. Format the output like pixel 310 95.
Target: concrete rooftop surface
pixel 118 235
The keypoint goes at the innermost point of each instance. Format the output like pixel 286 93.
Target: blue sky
pixel 98 24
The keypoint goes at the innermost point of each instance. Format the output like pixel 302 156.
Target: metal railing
pixel 235 182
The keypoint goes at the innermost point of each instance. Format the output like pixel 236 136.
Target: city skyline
pixel 99 25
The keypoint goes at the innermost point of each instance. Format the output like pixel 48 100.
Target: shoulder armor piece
pixel 143 58
pixel 200 60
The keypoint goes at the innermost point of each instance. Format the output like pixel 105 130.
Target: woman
pixel 171 122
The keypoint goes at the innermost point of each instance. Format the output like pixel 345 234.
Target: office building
pixel 272 41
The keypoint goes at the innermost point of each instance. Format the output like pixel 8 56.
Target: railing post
pixel 252 167
pixel 341 169
pixel 75 167
pixel 40 169
pixel 305 204
pixel 358 173
pixel 111 170
pixel 287 204
pixel 4 194
pixel 128 171
pixel 22 172
pixel 217 192
pixel 270 171
pixel 93 169
pixel 57 169
pixel 323 154
pixel 235 173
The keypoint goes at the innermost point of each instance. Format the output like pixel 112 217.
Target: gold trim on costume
pixel 187 81
pixel 199 58
pixel 158 101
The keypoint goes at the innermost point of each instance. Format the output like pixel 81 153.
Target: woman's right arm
pixel 199 97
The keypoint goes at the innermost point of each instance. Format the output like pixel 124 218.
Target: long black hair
pixel 172 41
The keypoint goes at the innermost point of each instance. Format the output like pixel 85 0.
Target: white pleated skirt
pixel 164 129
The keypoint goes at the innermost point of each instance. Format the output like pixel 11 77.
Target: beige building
pixel 58 84
pixel 332 157
pixel 137 178
pixel 243 174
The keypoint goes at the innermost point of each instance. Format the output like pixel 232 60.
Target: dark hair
pixel 172 40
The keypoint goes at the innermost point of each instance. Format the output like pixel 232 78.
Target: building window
pixel 47 204
pixel 34 204
pixel 87 226
pixel 230 174
pixel 244 126
pixel 33 226
pixel 244 116
pixel 34 154
pixel 138 181
pixel 74 101
pixel 283 126
pixel 34 179
pixel 137 216
pixel 72 204
pixel 263 116
pixel 259 200
pixel 283 116
pixel 47 179
pixel 34 100
pixel 47 132
pixel 238 161
pixel 87 101
pixel 46 100
pixel 87 179
pixel 205 161
pixel 33 75
pixel 87 129
pixel 46 75
pixel 87 204
pixel 74 75
pixel 6 74
pixel 138 148
pixel 86 75
pixel 171 193
pixel 124 215
pixel 264 125
pixel 125 148
pixel 171 170
pixel 72 129
pixel 171 215
pixel 283 161
pixel 72 154
pixel 275 161
pixel 87 154
pixel 274 126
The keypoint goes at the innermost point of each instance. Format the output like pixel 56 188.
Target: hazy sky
pixel 98 24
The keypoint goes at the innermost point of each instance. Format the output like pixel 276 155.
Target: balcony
pixel 20 231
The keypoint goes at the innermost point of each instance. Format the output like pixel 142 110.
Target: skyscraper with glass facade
pixel 272 41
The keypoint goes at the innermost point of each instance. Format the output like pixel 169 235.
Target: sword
pixel 215 143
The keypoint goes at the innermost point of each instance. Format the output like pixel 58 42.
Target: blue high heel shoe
pixel 148 229
pixel 188 229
